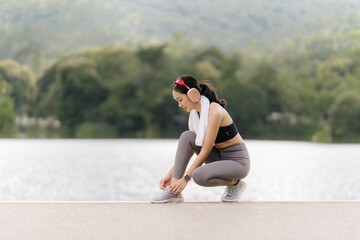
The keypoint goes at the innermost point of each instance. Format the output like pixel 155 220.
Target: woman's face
pixel 183 101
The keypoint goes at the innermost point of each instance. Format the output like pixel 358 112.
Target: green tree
pixel 152 55
pixel 124 110
pixel 265 77
pixel 344 117
pixel 81 92
pixel 7 113
pixel 22 80
pixel 248 107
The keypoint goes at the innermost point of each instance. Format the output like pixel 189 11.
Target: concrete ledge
pixel 189 220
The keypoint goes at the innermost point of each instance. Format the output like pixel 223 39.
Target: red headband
pixel 179 81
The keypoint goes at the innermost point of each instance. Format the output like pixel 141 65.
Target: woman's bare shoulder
pixel 215 107
pixel 216 110
pixel 220 112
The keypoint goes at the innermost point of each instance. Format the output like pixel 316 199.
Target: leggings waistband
pixel 235 152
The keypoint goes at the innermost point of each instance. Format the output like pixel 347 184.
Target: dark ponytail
pixel 208 91
pixel 205 89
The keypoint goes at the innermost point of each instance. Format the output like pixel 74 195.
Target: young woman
pixel 215 139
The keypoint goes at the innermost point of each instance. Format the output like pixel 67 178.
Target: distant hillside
pixel 34 31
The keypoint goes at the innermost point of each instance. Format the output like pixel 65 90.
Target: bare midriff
pixel 235 140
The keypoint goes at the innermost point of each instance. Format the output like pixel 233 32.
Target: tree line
pixel 307 90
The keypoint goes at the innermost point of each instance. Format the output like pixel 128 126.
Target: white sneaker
pixel 233 193
pixel 167 196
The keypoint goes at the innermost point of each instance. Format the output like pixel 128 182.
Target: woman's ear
pixel 194 95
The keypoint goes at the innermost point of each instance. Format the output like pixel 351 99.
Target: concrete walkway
pixel 189 220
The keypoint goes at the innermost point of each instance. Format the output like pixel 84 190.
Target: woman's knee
pixel 188 135
pixel 199 178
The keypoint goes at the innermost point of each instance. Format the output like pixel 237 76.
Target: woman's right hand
pixel 164 182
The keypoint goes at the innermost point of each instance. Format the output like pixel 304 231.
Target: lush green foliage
pixel 7 113
pixel 345 117
pixel 22 83
pixel 309 91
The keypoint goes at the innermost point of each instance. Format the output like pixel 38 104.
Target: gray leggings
pixel 221 167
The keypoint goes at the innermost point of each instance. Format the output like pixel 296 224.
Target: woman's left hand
pixel 178 186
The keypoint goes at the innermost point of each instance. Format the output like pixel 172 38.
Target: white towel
pixel 199 125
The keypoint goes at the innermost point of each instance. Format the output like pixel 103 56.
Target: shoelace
pixel 177 198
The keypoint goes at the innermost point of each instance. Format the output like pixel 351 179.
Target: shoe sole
pixel 235 200
pixel 171 200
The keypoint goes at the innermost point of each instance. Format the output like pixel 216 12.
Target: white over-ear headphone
pixel 192 93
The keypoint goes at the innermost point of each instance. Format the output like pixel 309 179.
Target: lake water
pixel 130 170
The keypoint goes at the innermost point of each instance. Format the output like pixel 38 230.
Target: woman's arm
pixel 215 118
pixel 170 172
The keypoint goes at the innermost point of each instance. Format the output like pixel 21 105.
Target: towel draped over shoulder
pixel 199 124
